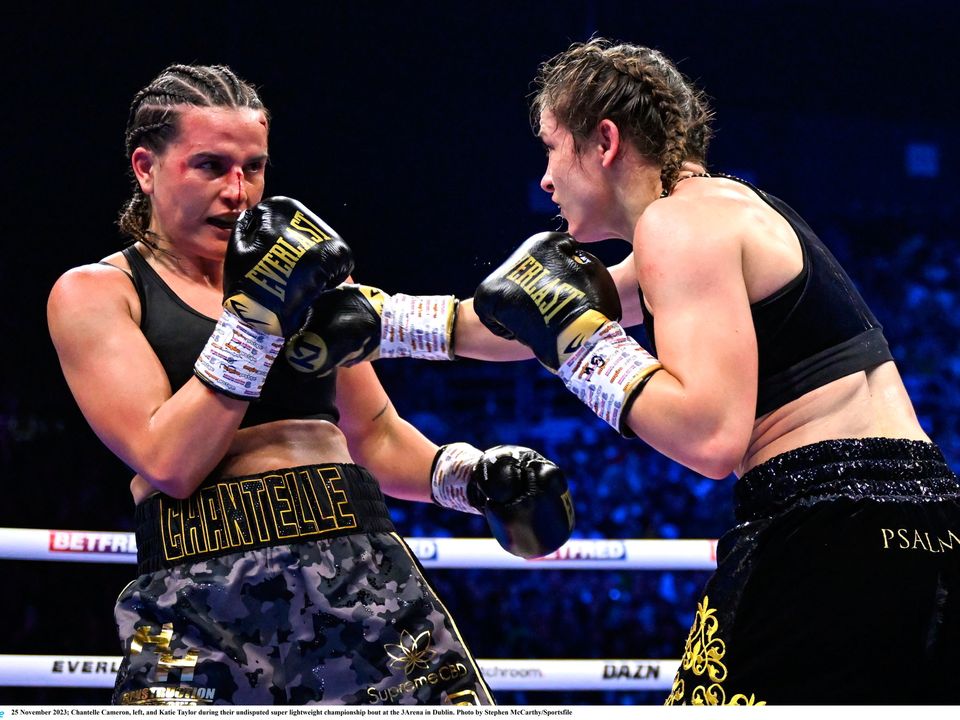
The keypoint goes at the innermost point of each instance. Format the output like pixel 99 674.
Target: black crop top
pixel 814 330
pixel 177 333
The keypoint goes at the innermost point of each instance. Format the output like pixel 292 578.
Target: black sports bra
pixel 177 333
pixel 814 330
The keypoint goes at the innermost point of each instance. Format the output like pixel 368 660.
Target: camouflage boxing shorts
pixel 342 619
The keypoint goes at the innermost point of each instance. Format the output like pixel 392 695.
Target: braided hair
pixel 638 88
pixel 154 118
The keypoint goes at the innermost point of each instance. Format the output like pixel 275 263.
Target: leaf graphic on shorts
pixel 411 653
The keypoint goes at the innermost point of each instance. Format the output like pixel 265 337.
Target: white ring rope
pixel 121 547
pixel 99 671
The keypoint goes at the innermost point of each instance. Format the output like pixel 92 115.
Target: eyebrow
pixel 265 157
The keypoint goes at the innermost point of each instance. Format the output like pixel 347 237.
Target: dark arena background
pixel 405 126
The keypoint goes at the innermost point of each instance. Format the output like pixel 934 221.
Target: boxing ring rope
pixel 577 554
pixel 470 553
pixel 99 671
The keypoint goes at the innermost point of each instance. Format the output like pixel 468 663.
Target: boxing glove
pixel 562 303
pixel 523 496
pixel 279 258
pixel 353 323
pixel 550 295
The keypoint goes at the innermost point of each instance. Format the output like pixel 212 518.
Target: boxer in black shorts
pixel 841 572
pixel 764 362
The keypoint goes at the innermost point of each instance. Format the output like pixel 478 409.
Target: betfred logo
pixel 423 549
pixel 98 542
pixel 589 550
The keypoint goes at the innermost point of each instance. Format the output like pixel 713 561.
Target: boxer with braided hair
pixel 764 362
pixel 661 111
pixel 155 111
pixel 269 569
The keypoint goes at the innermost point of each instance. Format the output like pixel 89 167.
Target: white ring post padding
pixel 99 671
pixel 121 547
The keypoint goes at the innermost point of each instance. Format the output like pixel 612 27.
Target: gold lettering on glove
pixel 273 270
pixel 548 293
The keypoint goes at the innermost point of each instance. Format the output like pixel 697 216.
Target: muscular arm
pixel 171 440
pixel 624 275
pixel 398 454
pixel 471 339
pixel 699 409
pixel 523 496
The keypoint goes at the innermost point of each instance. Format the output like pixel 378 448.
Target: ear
pixel 608 135
pixel 143 162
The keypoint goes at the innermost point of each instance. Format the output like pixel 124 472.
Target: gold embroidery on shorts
pixel 703 655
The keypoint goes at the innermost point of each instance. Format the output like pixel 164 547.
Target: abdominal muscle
pixel 279 444
pixel 871 403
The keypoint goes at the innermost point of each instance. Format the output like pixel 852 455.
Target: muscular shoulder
pixel 688 238
pixel 101 289
pixel 718 213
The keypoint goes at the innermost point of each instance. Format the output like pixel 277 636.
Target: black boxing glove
pixel 562 303
pixel 523 496
pixel 353 323
pixel 280 257
pixel 550 295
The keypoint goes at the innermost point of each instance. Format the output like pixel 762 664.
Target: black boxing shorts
pixel 839 585
pixel 285 588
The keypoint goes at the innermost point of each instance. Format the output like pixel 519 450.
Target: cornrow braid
pixel 638 88
pixel 662 111
pixel 154 117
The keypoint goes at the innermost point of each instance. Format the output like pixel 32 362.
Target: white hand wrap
pixel 452 469
pixel 418 326
pixel 606 369
pixel 237 358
